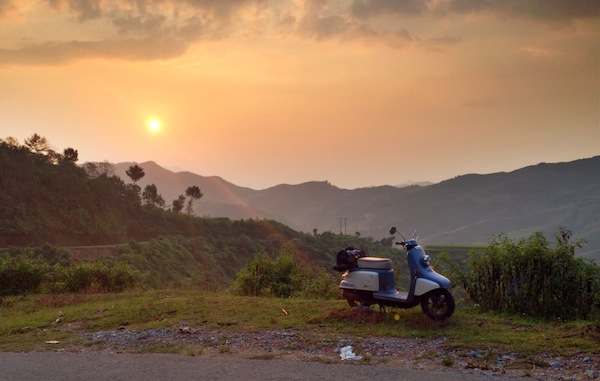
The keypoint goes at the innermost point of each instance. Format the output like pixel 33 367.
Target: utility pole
pixel 345 224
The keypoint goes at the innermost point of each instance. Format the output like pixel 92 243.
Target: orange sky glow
pixel 264 92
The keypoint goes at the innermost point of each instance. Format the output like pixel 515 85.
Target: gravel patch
pixel 312 345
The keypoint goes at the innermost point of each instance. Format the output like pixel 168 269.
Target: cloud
pixel 224 9
pixel 369 8
pixel 87 9
pixel 7 8
pixel 57 53
pixel 153 29
pixel 130 30
pixel 542 10
pixel 322 21
pixel 323 27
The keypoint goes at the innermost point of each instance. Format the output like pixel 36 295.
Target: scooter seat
pixel 374 263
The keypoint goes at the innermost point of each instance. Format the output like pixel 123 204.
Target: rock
pixel 593 374
pixel 475 354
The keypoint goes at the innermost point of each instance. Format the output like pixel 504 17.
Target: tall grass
pixel 534 278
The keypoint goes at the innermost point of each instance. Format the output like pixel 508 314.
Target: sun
pixel 154 125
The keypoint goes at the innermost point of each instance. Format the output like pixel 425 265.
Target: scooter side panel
pixel 423 286
pixel 361 280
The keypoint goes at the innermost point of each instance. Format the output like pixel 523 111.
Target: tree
pixel 135 173
pixel 37 144
pixel 194 193
pixel 95 169
pixel 71 155
pixel 151 196
pixel 10 141
pixel 178 204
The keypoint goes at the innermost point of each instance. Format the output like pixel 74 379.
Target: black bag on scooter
pixel 346 259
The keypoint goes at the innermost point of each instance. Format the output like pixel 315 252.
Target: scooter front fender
pixel 423 286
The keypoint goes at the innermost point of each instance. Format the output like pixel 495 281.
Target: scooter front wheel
pixel 438 304
pixel 356 298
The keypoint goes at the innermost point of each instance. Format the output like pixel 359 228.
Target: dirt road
pixel 96 366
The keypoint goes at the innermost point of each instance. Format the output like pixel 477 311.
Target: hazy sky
pixel 259 92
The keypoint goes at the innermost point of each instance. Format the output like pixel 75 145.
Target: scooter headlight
pixel 426 261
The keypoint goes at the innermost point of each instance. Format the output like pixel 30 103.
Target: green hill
pixel 46 201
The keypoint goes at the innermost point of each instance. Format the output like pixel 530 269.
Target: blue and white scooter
pixel 370 280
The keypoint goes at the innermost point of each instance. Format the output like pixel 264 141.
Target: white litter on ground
pixel 347 354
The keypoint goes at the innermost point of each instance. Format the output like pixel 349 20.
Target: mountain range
pixel 468 209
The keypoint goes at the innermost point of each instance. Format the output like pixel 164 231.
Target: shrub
pixel 79 277
pixel 322 285
pixel 91 276
pixel 283 277
pixel 264 276
pixel 20 274
pixel 117 278
pixel 533 278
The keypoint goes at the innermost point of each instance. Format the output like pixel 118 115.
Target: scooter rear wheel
pixel 438 304
pixel 356 299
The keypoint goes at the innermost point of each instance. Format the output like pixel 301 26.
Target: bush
pixel 53 255
pixel 283 277
pixel 19 275
pixel 322 285
pixel 531 277
pixel 91 276
pixel 256 278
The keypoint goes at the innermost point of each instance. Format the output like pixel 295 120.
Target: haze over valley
pixel 467 209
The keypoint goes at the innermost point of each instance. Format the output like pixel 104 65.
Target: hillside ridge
pixel 467 209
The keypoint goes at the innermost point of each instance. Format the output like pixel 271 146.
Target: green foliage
pixel 19 275
pixel 282 277
pixel 45 198
pixel 26 271
pixel 263 276
pixel 91 276
pixel 211 260
pixel 320 285
pixel 533 278
pixel 165 261
pixel 53 255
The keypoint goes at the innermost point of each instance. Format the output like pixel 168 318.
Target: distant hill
pixel 468 209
